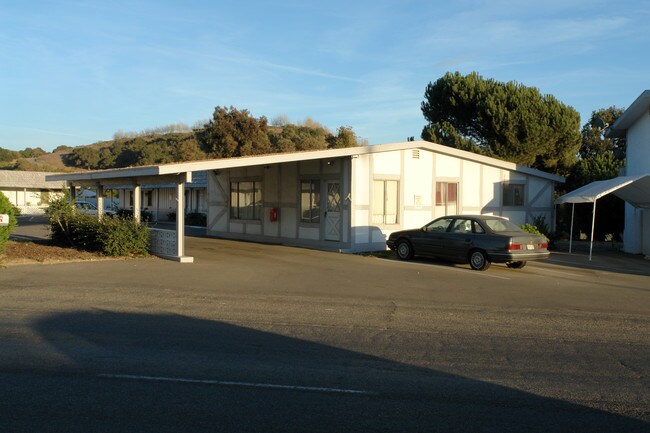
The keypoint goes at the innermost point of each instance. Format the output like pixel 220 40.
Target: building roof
pixel 29 179
pixel 638 108
pixel 249 161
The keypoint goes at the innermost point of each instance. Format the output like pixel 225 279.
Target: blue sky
pixel 76 72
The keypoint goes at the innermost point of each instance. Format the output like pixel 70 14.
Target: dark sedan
pixel 475 239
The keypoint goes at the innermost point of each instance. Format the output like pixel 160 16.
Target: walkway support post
pixel 593 222
pixel 183 178
pixel 573 208
pixel 137 202
pixel 100 202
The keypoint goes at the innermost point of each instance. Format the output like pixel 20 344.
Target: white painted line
pixel 241 384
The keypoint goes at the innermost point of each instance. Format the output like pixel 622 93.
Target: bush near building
pixel 110 236
pixel 7 209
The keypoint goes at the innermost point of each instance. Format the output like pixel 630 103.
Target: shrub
pixel 528 228
pixel 60 212
pixel 539 221
pixel 191 219
pixel 123 237
pixel 112 237
pixel 128 214
pixel 196 219
pixel 6 208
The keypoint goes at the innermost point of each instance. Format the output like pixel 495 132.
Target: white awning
pixel 633 189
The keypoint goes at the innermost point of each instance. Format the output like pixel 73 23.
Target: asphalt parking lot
pixel 256 337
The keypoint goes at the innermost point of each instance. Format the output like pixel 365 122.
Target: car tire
pixel 478 260
pixel 404 250
pixel 516 265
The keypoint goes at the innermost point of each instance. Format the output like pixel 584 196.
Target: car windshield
pixel 499 225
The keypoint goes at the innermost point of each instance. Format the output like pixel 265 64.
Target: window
pixel 246 200
pixel 148 198
pixel 310 201
pixel 513 194
pixel 439 225
pixel 461 226
pixel 446 193
pixel 384 204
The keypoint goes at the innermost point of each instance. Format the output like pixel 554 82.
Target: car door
pixel 459 239
pixel 432 238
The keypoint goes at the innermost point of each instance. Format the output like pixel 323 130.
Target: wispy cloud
pixel 50 132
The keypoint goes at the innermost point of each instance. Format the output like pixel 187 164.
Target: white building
pixel 635 125
pixel 351 199
pixel 347 199
pixel 28 190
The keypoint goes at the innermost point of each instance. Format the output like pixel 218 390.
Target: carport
pixel 635 190
pixel 164 243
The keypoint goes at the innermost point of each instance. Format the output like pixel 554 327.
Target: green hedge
pixel 123 237
pixel 111 236
pixel 6 208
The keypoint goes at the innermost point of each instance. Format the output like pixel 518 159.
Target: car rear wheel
pixel 478 260
pixel 516 265
pixel 404 250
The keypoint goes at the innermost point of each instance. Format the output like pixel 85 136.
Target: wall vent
pixel 415 154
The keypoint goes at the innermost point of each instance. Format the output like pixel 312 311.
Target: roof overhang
pixel 147 174
pixel 638 108
pixel 633 189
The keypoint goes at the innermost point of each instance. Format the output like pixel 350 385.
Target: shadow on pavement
pixel 610 261
pixel 395 396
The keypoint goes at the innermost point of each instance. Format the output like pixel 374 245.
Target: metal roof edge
pixel 629 116
pixel 247 161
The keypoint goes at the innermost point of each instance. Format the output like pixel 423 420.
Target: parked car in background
pixel 88 208
pixel 475 239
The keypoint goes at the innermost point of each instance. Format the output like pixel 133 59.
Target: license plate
pixel 530 247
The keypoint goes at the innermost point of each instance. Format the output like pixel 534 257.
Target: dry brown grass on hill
pixel 53 160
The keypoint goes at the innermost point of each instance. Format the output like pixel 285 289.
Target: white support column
pixel 573 208
pixel 593 222
pixel 100 202
pixel 137 202
pixel 180 217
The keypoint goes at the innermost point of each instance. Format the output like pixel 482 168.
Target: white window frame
pixel 380 212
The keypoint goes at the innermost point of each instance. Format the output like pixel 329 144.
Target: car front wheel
pixel 478 260
pixel 404 250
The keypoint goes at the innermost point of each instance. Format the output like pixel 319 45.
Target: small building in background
pixel 28 190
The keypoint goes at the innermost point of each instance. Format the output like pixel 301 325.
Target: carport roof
pixel 633 189
pixel 150 172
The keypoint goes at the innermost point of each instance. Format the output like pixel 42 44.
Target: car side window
pixel 461 226
pixel 478 228
pixel 438 226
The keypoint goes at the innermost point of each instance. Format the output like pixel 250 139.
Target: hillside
pixel 230 133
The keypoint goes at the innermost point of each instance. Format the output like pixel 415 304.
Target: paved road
pixel 266 338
